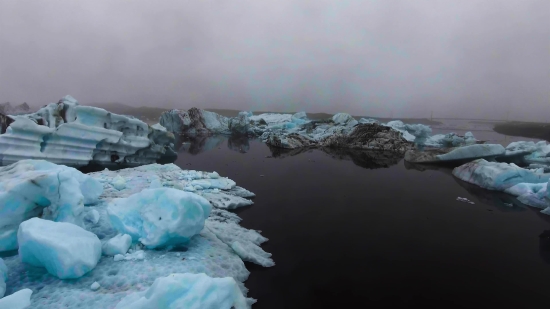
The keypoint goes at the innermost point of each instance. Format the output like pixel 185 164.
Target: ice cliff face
pixel 74 135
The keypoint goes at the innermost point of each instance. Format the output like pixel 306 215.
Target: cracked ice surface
pixel 218 250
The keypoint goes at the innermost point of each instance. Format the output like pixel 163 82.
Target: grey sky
pixel 471 58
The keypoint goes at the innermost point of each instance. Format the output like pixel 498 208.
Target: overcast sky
pixel 468 58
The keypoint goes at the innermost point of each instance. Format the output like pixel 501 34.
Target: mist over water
pixel 476 59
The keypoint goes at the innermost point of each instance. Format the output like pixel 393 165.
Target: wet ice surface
pixel 372 230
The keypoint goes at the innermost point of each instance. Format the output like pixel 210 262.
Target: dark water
pixel 357 230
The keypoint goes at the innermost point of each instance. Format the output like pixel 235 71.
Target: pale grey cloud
pixel 458 58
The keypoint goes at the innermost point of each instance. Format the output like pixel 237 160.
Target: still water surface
pixel 358 230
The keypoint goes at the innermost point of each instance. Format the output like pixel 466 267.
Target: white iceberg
pixel 160 217
pixel 192 291
pixel 66 251
pixel 29 188
pixel 70 134
pixel 18 300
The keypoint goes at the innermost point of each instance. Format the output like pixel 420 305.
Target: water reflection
pixel 198 144
pixel 238 143
pixel 544 246
pixel 364 158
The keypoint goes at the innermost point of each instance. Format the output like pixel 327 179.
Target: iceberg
pixel 74 135
pixel 368 137
pixel 450 140
pixel 31 188
pixel 193 291
pixel 530 187
pixel 194 122
pixel 458 154
pixel 239 124
pixel 497 176
pixel 417 133
pixel 66 251
pixel 160 217
pixel 18 300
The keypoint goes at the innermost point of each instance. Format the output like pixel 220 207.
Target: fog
pixel 477 59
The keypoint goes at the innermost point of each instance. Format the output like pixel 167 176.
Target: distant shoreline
pixel 534 130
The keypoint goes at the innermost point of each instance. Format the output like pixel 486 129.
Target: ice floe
pixel 217 250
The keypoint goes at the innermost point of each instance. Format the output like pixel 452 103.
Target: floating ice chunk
pixel 252 253
pixel 473 151
pixel 226 201
pixel 18 300
pixel 3 277
pixel 118 182
pixel 465 200
pixel 95 286
pixel 541 155
pixel 117 245
pixel 193 291
pixel 240 191
pixel 160 217
pixel 243 241
pixel 497 176
pixel 29 188
pixel 64 249
pixel 520 148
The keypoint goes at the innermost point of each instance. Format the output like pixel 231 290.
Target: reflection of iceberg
pixel 200 143
pixel 238 143
pixel 370 159
pixel 282 153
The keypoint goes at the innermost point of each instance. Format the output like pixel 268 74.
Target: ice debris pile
pixel 180 213
pixel 71 134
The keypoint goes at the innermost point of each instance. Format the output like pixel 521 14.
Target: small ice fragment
pixel 119 183
pixel 465 200
pixel 119 257
pixel 95 286
pixel 18 300
pixel 117 245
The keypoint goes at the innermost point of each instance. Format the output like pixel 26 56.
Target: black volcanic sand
pixel 346 234
pixel 524 129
